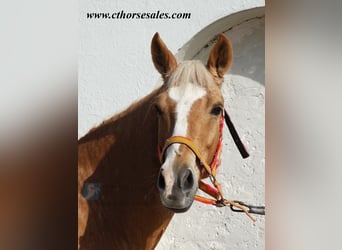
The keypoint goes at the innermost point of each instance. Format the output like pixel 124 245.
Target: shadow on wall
pixel 246 31
pixel 248 41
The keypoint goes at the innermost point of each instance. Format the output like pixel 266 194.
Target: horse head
pixel 190 106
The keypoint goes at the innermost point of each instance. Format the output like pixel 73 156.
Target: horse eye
pixel 158 110
pixel 216 110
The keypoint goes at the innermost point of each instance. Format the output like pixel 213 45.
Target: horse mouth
pixel 176 205
pixel 179 210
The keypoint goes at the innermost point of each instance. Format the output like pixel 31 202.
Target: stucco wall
pixel 206 227
pixel 115 68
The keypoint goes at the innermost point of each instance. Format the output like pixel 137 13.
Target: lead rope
pixel 217 192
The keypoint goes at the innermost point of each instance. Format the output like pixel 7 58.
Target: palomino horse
pixel 136 194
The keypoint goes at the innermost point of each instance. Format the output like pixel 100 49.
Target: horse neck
pixel 132 131
pixel 122 155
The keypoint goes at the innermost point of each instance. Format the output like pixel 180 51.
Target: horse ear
pixel 220 57
pixel 164 61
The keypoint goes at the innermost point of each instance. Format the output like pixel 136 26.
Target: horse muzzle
pixel 177 189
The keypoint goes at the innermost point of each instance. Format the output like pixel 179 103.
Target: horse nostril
pixel 161 182
pixel 186 180
pixel 190 180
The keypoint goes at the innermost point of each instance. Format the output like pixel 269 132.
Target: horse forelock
pixel 190 72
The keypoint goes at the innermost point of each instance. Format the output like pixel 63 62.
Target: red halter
pixel 215 191
pixel 188 142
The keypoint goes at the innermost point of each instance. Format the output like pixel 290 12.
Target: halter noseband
pixel 215 191
pixel 211 169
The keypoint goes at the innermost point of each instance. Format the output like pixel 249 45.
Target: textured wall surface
pixel 115 68
pixel 207 227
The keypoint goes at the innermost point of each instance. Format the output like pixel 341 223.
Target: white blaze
pixel 184 96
